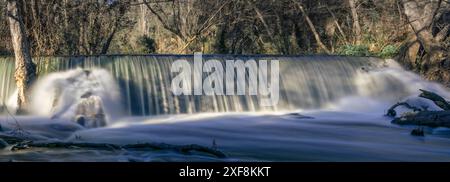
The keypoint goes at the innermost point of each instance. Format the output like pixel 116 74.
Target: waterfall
pixel 306 82
pixel 7 84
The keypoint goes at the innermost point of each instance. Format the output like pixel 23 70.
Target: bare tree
pixel 356 24
pixel 421 16
pixel 98 22
pixel 188 20
pixel 25 68
pixel 312 27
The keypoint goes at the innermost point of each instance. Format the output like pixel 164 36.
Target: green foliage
pixel 354 50
pixel 388 51
pixel 148 44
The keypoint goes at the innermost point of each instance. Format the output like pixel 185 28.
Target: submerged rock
pixel 300 116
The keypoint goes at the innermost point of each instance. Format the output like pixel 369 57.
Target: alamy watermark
pixel 236 77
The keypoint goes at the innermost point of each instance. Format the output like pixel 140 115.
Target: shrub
pixel 148 44
pixel 388 51
pixel 354 50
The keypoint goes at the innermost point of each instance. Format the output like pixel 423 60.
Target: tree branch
pixel 312 27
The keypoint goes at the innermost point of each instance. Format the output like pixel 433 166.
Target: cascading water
pixel 345 99
pixel 306 82
pixel 7 84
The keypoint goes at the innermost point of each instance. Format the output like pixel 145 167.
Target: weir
pixel 306 82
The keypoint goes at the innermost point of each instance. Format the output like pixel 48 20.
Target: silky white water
pixel 346 97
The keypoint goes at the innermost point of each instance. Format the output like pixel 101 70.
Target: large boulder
pixel 89 111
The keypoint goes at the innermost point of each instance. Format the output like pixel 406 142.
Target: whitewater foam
pixel 58 94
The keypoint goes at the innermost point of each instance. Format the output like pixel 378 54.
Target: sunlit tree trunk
pixel 356 25
pixel 25 68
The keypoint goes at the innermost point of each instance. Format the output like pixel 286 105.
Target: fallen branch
pixel 392 113
pixel 65 145
pixel 19 143
pixel 179 148
pixel 425 118
pixel 437 99
pixel 422 117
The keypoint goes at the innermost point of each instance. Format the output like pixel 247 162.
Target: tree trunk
pixel 422 117
pixel 25 68
pixel 108 42
pixel 356 25
pixel 313 28
pixel 263 21
pixel 437 99
pixel 425 118
pixel 433 61
pixel 420 15
pixel 337 25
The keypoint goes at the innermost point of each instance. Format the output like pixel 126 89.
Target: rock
pixel 3 144
pixel 81 120
pixel 300 116
pixel 86 95
pixel 89 111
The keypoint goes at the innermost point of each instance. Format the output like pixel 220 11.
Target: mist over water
pixel 57 94
pixel 345 96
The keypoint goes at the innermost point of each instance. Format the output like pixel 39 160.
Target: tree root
pixel 23 144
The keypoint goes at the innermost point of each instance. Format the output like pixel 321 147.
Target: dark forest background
pixel 415 32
